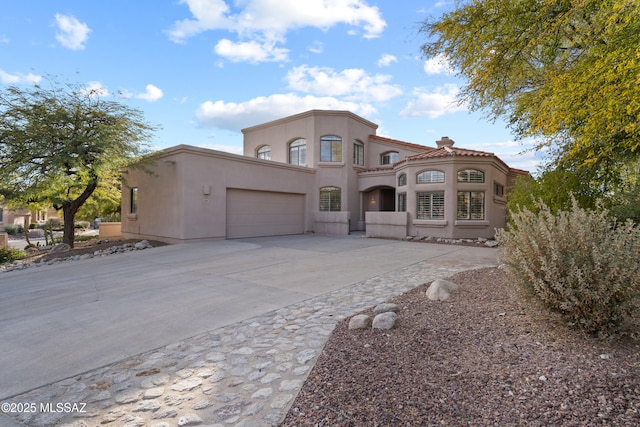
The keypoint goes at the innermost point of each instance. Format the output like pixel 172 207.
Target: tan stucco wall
pixel 451 227
pixel 109 230
pixel 185 197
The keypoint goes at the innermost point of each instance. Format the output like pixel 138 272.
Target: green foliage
pixel 563 72
pixel 557 188
pixel 14 229
pixel 8 254
pixel 60 142
pixel 578 262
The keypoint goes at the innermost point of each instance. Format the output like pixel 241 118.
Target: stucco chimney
pixel 445 142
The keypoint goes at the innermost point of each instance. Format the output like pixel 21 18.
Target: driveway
pixel 61 320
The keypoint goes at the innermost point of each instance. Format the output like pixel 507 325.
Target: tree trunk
pixel 69 209
pixel 69 232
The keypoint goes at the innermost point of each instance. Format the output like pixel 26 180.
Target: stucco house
pixel 321 171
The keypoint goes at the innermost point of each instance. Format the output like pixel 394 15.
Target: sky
pixel 202 70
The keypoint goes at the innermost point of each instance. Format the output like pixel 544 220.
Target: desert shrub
pixel 81 225
pixel 14 229
pixel 579 262
pixel 8 254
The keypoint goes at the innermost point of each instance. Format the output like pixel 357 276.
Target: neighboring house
pixel 320 171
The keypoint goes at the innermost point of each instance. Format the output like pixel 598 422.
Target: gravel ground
pixel 487 357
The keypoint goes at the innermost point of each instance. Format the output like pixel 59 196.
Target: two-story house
pixel 321 171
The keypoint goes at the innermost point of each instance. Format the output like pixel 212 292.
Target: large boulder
pixel 385 320
pixel 386 306
pixel 360 321
pixel 440 290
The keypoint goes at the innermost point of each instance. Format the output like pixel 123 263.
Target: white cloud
pixel 235 116
pixel 18 78
pixel 353 83
pixel 151 94
pixel 269 21
pixel 72 33
pixel 386 60
pixel 434 104
pixel 95 89
pixel 251 51
pixel 439 64
pixel 316 47
pixel 4 39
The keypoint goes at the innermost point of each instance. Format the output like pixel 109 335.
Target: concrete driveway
pixel 61 320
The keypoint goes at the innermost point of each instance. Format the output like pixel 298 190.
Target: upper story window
pixel 430 176
pixel 298 152
pixel 358 153
pixel 264 152
pixel 330 148
pixel 498 189
pixel 470 175
pixel 330 199
pixel 389 158
pixel 402 180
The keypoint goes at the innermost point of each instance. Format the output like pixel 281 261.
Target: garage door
pixel 263 213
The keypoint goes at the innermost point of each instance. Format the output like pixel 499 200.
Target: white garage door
pixel 263 213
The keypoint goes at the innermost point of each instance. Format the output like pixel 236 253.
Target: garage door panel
pixel 264 213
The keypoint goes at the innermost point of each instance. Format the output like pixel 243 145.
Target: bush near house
pixel 13 230
pixel 10 254
pixel 580 263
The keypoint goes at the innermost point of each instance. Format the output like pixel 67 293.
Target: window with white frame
pixel 402 202
pixel 330 199
pixel 389 158
pixel 358 153
pixel 430 176
pixel 298 152
pixel 330 148
pixel 264 152
pixel 471 205
pixel 430 205
pixel 470 175
pixel 402 180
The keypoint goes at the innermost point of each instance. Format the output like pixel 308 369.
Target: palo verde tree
pixel 57 142
pixel 565 72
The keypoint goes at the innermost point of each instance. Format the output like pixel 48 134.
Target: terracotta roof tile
pixel 446 152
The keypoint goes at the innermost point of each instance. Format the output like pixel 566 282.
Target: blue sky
pixel 204 69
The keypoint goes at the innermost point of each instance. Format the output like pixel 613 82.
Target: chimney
pixel 445 142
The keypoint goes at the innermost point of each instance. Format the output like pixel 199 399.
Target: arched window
pixel 430 176
pixel 402 180
pixel 470 175
pixel 330 199
pixel 330 148
pixel 264 152
pixel 298 152
pixel 389 158
pixel 358 153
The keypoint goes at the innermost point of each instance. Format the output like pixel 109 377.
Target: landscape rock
pixel 440 290
pixel 360 321
pixel 62 247
pixel 491 243
pixel 385 307
pixel 385 320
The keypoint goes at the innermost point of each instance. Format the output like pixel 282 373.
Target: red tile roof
pixel 449 151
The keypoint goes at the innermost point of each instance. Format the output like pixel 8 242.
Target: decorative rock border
pixel 116 249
